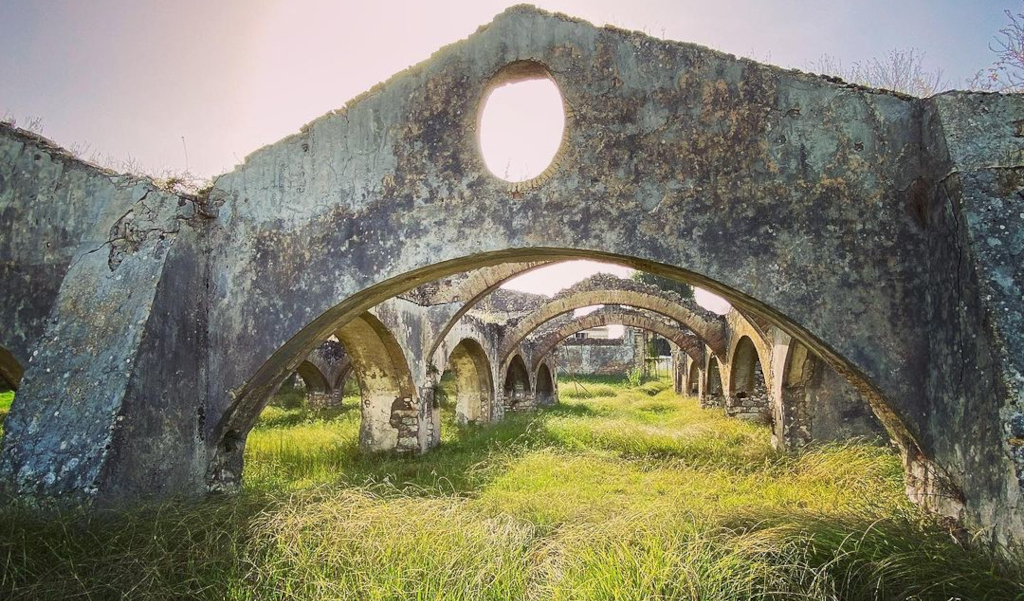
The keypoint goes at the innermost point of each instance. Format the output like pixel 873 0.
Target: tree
pixel 680 288
pixel 900 70
pixel 1007 73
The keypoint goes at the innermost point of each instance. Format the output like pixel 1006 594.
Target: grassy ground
pixel 614 494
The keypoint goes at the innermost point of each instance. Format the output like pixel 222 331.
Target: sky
pixel 136 77
pixel 198 84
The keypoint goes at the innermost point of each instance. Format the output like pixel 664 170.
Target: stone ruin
pixel 870 243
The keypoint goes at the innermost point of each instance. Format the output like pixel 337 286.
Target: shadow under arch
pixel 545 386
pixel 313 378
pixel 797 373
pixel 289 354
pixel 474 388
pixel 713 389
pixel 516 388
pixel 748 387
pixel 10 370
pixel 693 380
pixel 388 395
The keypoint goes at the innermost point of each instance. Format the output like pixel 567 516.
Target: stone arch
pixel 748 389
pixel 693 380
pixel 546 342
pixel 315 381
pixel 516 390
pixel 605 290
pixel 478 284
pixel 474 389
pixel 813 403
pixel 545 394
pixel 335 365
pixel 342 377
pixel 713 395
pixel 792 413
pixel 339 313
pixel 389 406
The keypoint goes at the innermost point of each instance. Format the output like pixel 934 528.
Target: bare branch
pixel 898 70
pixel 1007 73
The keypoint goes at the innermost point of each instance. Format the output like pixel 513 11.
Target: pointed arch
pixel 693 380
pixel 713 396
pixel 312 377
pixel 545 386
pixel 709 327
pixel 516 390
pixel 474 389
pixel 651 321
pixel 389 407
pixel 748 389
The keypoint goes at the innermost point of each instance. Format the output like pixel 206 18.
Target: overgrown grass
pixel 636 494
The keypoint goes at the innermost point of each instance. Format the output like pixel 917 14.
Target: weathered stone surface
pixel 601 357
pixel 103 280
pixel 882 233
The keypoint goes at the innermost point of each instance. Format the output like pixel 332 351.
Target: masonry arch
pixel 709 327
pixel 378 197
pixel 478 284
pixel 546 342
pixel 389 406
pixel 315 381
pixel 474 390
pixel 338 314
pixel 792 416
pixel 748 388
pixel 545 386
pixel 342 375
pixel 693 380
pixel 516 391
pixel 713 396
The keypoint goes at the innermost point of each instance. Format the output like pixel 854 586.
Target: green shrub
pixel 635 377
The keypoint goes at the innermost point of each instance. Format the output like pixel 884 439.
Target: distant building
pixel 598 333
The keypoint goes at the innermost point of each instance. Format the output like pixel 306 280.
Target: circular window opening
pixel 522 122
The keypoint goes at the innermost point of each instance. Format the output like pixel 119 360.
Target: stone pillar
pixel 112 406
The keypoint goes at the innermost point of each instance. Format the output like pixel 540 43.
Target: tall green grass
pixel 615 494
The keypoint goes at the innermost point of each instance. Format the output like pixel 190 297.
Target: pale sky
pixel 134 77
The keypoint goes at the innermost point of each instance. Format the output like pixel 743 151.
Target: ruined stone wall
pixel 692 164
pixel 103 280
pixel 509 302
pixel 615 357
